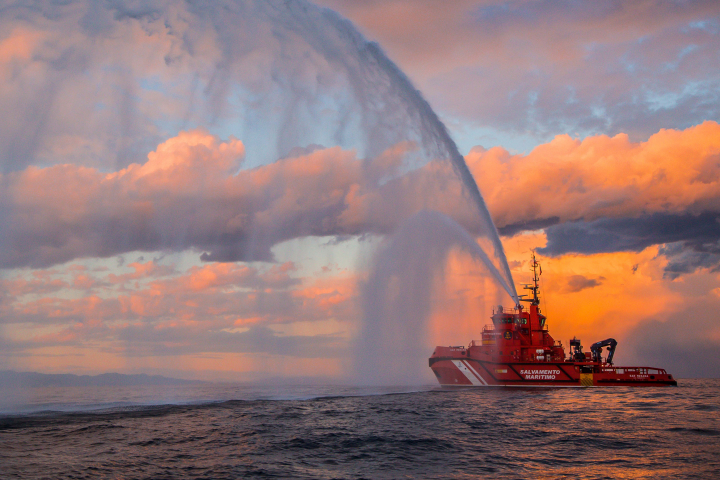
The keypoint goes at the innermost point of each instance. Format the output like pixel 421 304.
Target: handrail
pixel 501 309
pixel 641 370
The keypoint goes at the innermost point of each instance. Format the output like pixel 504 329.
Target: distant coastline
pixel 13 379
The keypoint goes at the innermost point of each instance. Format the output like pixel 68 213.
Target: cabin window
pixel 542 322
pixel 524 321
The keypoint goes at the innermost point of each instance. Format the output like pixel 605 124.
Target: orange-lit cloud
pixel 190 194
pixel 17 48
pixel 155 311
pixel 674 171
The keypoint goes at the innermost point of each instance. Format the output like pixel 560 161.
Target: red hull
pixel 464 371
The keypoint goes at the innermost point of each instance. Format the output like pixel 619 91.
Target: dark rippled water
pixel 469 433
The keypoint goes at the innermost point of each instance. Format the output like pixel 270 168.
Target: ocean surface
pixel 227 431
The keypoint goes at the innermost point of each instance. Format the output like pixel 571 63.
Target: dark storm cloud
pixel 529 225
pixel 632 234
pixel 686 257
pixel 689 242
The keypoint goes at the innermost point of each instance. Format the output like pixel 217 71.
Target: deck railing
pixel 634 370
pixel 501 309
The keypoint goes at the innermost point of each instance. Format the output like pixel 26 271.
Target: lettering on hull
pixel 540 374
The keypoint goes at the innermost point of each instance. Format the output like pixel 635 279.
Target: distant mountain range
pixel 11 379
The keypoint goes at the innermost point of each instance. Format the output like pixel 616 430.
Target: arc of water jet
pixel 473 248
pixel 310 22
pixel 458 162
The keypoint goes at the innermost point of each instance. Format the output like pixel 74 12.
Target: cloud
pixel 59 213
pixel 191 194
pixel 527 225
pixel 551 67
pixel 673 172
pixel 600 194
pixel 577 283
pixel 154 310
pixel 631 234
pixel 100 84
pixel 608 194
pixel 690 242
pixel 687 257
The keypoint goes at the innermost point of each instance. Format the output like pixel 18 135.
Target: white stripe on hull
pixel 475 379
pixel 475 372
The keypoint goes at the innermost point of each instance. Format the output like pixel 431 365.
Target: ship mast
pixel 537 271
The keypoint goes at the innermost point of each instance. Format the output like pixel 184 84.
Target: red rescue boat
pixel 518 351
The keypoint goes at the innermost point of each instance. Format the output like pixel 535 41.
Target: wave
pixel 43 401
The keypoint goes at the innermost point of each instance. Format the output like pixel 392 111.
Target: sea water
pixel 327 432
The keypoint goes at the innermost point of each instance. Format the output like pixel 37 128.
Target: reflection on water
pixel 468 433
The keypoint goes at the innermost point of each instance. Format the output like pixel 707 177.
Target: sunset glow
pixel 174 201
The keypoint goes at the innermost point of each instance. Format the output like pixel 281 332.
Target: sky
pixel 213 191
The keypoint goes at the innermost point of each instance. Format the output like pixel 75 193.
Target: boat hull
pixel 465 371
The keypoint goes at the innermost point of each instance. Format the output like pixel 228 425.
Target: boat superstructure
pixel 518 350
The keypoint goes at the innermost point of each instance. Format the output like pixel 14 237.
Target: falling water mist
pixel 371 69
pixel 279 76
pixel 397 298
